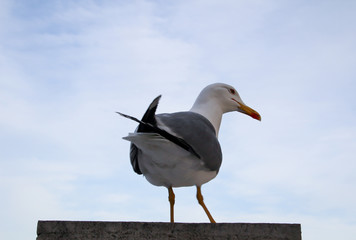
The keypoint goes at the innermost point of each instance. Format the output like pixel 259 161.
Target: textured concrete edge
pixel 90 230
pixel 55 226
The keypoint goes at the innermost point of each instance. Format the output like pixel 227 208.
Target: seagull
pixel 182 149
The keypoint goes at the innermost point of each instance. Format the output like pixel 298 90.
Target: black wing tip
pixel 123 115
pixel 155 102
pixel 152 105
pixel 130 117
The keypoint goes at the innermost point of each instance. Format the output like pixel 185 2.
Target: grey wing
pixel 148 124
pixel 198 132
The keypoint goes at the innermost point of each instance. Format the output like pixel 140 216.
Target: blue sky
pixel 67 66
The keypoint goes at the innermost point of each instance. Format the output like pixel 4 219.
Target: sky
pixel 67 66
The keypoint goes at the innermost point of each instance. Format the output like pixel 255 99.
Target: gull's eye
pixel 232 91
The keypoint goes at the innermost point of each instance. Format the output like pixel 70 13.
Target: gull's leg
pixel 171 197
pixel 201 202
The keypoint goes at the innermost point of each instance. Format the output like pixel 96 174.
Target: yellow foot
pixel 201 202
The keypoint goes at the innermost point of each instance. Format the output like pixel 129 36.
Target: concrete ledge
pixel 70 230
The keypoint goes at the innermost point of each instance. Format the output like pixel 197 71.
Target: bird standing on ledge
pixel 182 149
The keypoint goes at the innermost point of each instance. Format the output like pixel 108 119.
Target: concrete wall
pixel 70 230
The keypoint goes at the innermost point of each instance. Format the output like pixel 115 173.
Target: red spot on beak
pixel 256 116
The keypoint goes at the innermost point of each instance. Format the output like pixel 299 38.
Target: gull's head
pixel 227 98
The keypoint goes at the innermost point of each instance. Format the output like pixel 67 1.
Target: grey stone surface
pixel 70 230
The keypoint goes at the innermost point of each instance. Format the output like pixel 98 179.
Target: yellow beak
pixel 249 111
